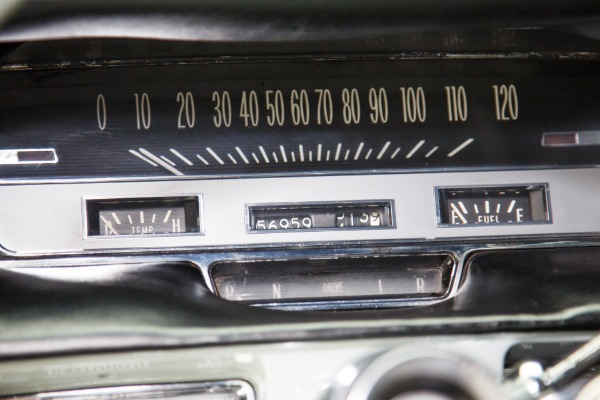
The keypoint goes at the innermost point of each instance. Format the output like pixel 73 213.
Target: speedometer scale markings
pixel 275 159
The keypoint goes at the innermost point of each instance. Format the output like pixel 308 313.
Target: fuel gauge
pixel 143 216
pixel 495 205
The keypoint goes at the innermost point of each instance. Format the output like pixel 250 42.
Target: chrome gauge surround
pixel 90 218
pixel 480 191
pixel 47 219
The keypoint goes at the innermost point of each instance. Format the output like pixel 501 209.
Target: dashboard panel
pixel 306 211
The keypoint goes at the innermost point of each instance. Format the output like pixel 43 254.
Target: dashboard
pixel 265 201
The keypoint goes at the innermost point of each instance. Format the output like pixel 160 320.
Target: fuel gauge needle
pixel 455 209
pixel 109 225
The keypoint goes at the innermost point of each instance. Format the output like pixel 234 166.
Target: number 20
pixel 188 109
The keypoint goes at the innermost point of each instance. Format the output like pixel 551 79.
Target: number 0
pixel 101 112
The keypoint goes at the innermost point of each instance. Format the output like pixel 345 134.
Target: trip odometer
pixel 281 116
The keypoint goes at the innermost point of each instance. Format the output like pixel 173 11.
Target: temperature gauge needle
pixel 108 225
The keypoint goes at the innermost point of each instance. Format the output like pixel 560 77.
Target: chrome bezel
pixel 543 186
pixel 389 202
pixel 347 302
pixel 85 216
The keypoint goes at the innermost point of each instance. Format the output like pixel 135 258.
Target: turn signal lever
pixel 534 382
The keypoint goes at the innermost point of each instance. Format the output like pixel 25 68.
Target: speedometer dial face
pixel 235 118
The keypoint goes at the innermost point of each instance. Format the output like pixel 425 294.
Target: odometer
pixel 281 116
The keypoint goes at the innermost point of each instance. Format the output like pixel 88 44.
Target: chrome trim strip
pixel 395 56
pixel 231 389
pixel 255 175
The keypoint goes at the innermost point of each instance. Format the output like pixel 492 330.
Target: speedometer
pixel 220 118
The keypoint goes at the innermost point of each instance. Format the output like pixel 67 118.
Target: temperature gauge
pixel 497 205
pixel 143 216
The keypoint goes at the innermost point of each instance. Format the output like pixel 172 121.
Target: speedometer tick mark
pixel 415 149
pixel 310 155
pixel 368 154
pixel 241 153
pixel 255 158
pixel 202 159
pixel 347 154
pixel 275 158
pixel 231 158
pixel 160 162
pixel 395 153
pixel 141 157
pixel 328 154
pixel 165 159
pixel 319 150
pixel 431 152
pixel 215 156
pixel 283 155
pixel 461 147
pixel 181 157
pixel 301 150
pixel 293 157
pixel 383 150
pixel 360 147
pixel 264 154
pixel 337 152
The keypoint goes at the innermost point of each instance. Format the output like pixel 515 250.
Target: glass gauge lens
pixel 409 277
pixel 142 221
pixel 146 216
pixel 486 206
pixel 315 116
pixel 340 216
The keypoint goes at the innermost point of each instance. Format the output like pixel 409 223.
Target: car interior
pixel 293 200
